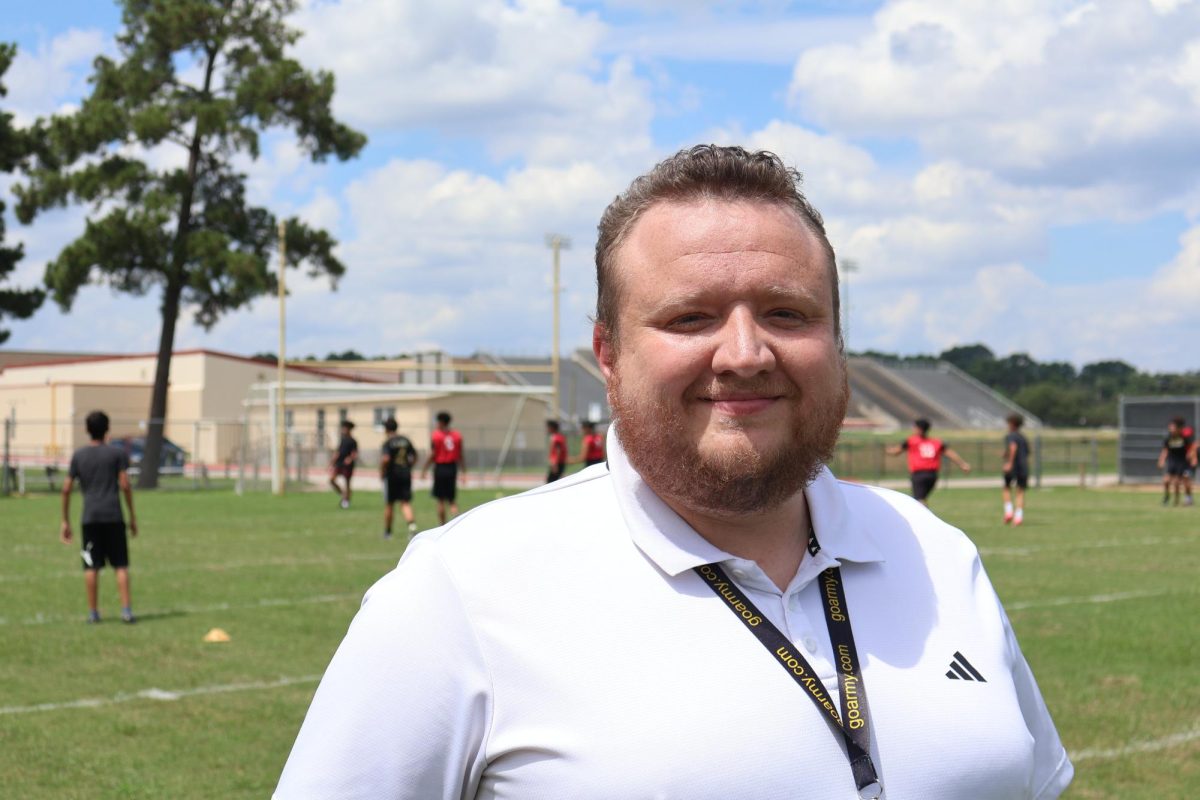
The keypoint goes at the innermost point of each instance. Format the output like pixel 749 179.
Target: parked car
pixel 170 459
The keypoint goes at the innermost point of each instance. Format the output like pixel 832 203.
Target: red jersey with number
pixel 924 454
pixel 558 449
pixel 447 445
pixel 593 447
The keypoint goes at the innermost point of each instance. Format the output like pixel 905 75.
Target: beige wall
pixel 50 418
pixel 484 421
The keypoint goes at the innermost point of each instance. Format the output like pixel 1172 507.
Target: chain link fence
pixel 236 454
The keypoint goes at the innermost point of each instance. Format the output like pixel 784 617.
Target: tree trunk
pixel 176 279
pixel 148 478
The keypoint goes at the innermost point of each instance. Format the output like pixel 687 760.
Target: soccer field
pixel 1100 585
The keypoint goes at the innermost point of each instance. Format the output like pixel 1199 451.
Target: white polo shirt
pixel 557 644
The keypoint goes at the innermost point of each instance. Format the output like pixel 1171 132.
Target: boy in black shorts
pixel 342 465
pixel 395 470
pixel 1173 460
pixel 102 471
pixel 1016 470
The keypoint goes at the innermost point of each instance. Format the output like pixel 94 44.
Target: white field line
pixel 1034 549
pixel 154 693
pixel 266 602
pixel 215 567
pixel 1111 597
pixel 1137 746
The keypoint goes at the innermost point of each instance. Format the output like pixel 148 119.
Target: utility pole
pixel 849 267
pixel 279 477
pixel 556 243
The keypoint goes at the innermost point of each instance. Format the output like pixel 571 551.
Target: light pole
pixel 849 267
pixel 556 243
pixel 279 479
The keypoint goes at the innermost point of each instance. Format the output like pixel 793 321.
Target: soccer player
pixel 342 465
pixel 395 470
pixel 1016 470
pixel 446 456
pixel 102 472
pixel 1174 459
pixel 925 459
pixel 557 459
pixel 591 448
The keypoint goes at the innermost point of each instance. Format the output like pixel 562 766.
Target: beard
pixel 736 478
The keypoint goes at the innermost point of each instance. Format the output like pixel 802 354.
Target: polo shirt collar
pixel 675 547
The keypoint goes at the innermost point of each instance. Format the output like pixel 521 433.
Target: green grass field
pixel 1101 587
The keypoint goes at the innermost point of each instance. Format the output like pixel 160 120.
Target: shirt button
pixel 740 574
pixel 810 644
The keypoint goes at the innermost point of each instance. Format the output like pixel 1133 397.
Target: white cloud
pixel 52 77
pixel 524 76
pixel 1062 94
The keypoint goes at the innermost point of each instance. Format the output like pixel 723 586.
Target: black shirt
pixel 346 447
pixel 97 468
pixel 1177 446
pixel 1020 462
pixel 401 455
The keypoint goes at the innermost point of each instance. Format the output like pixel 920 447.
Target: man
pixel 925 459
pixel 343 462
pixel 557 459
pixel 591 446
pixel 395 471
pixel 102 472
pixel 624 659
pixel 446 457
pixel 1174 460
pixel 1016 470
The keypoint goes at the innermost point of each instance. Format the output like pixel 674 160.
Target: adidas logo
pixel 962 670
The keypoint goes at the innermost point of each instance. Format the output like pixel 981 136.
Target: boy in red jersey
pixel 591 448
pixel 558 452
pixel 446 457
pixel 925 459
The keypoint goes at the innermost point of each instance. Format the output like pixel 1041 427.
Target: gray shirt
pixel 96 467
pixel 1020 462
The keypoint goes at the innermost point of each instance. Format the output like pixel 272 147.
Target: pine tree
pixel 207 77
pixel 17 303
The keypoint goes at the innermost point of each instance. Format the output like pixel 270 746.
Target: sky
pixel 1021 173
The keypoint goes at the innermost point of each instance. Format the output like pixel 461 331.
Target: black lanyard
pixel 854 720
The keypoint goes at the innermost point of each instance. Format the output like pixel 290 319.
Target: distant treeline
pixel 1054 390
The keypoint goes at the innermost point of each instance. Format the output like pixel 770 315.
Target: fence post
pixel 1095 461
pixel 7 461
pixel 1037 455
pixel 195 452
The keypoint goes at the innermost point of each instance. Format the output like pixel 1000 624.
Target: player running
pixel 342 465
pixel 1016 470
pixel 557 459
pixel 925 459
pixel 396 461
pixel 446 457
pixel 1177 451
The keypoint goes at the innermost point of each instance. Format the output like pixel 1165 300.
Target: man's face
pixel 726 376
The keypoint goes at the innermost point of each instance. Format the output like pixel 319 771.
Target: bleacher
pixel 892 395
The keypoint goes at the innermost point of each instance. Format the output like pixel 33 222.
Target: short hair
pixel 1015 419
pixel 443 417
pixel 390 425
pixel 552 424
pixel 347 424
pixel 703 172
pixel 922 424
pixel 1178 422
pixel 588 425
pixel 97 425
